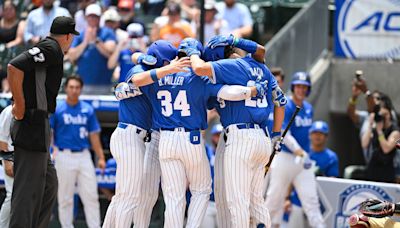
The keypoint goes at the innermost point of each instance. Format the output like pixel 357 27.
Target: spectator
pixel 238 17
pixel 172 27
pixel 111 19
pixel 152 7
pixel 359 117
pixel 213 25
pixel 127 11
pixel 91 50
pixel 39 21
pixel 382 135
pixel 122 54
pixel 191 13
pixel 11 28
pixel 326 160
pixel 80 18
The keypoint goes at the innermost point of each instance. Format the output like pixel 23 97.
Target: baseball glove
pixel 377 208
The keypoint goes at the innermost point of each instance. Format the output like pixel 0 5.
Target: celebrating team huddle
pixel 163 111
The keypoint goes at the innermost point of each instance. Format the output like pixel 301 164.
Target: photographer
pixel 381 134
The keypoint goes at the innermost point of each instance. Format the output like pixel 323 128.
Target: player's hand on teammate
pixel 178 65
pixel 189 46
pixel 261 89
pixel 221 41
pixel 148 60
pixel 126 90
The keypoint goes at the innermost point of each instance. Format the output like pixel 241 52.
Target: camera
pixel 359 73
pixel 378 117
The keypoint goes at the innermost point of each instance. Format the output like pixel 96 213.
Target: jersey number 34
pixel 168 105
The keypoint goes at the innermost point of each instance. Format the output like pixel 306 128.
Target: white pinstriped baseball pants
pixel 246 153
pixel 284 170
pixel 77 169
pixel 128 149
pixel 150 182
pixel 182 164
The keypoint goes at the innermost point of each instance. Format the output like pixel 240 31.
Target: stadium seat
pixel 292 3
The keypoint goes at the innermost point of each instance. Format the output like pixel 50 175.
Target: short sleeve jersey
pixel 136 110
pixel 73 124
pixel 46 57
pixel 301 124
pixel 181 100
pixel 327 162
pixel 244 71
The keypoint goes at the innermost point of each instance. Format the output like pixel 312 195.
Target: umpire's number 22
pixel 168 105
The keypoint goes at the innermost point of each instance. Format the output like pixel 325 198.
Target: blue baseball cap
pixel 216 129
pixel 163 51
pixel 319 126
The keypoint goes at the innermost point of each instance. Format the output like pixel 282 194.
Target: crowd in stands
pixel 111 30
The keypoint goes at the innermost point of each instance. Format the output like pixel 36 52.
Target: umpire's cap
pixel 63 25
pixel 163 51
pixel 301 78
pixel 319 126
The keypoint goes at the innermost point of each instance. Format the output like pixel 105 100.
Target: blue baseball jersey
pixel 211 158
pixel 301 124
pixel 125 63
pixel 73 124
pixel 327 162
pixel 180 100
pixel 136 110
pixel 244 71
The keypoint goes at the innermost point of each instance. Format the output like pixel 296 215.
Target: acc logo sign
pixel 351 198
pixel 370 28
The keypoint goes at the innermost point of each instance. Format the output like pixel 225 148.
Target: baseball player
pixel 138 175
pixel 247 146
pixel 293 165
pixel 6 145
pixel 76 129
pixel 181 105
pixel 210 218
pixel 326 164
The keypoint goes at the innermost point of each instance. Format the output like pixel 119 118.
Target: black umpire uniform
pixel 35 184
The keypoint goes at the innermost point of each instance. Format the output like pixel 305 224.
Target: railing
pixel 302 40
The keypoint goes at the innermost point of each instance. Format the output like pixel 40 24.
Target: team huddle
pixel 163 111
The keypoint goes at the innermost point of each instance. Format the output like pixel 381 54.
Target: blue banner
pixel 367 29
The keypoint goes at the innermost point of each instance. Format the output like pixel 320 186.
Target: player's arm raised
pixel 150 76
pixel 257 51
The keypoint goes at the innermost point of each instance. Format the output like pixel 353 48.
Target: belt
pixel 70 150
pixel 124 126
pixel 243 126
pixel 182 129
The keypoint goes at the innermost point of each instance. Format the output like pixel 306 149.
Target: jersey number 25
pixel 259 103
pixel 179 104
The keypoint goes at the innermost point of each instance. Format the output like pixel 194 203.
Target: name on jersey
pixel 257 72
pixel 75 120
pixel 303 122
pixel 171 80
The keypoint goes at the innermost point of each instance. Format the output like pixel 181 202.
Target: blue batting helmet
pixel 163 51
pixel 213 54
pixel 301 78
pixel 190 41
pixel 319 126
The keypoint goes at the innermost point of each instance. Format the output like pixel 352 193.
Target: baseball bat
pixel 281 139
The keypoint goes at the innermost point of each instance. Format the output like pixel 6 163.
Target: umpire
pixel 35 78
